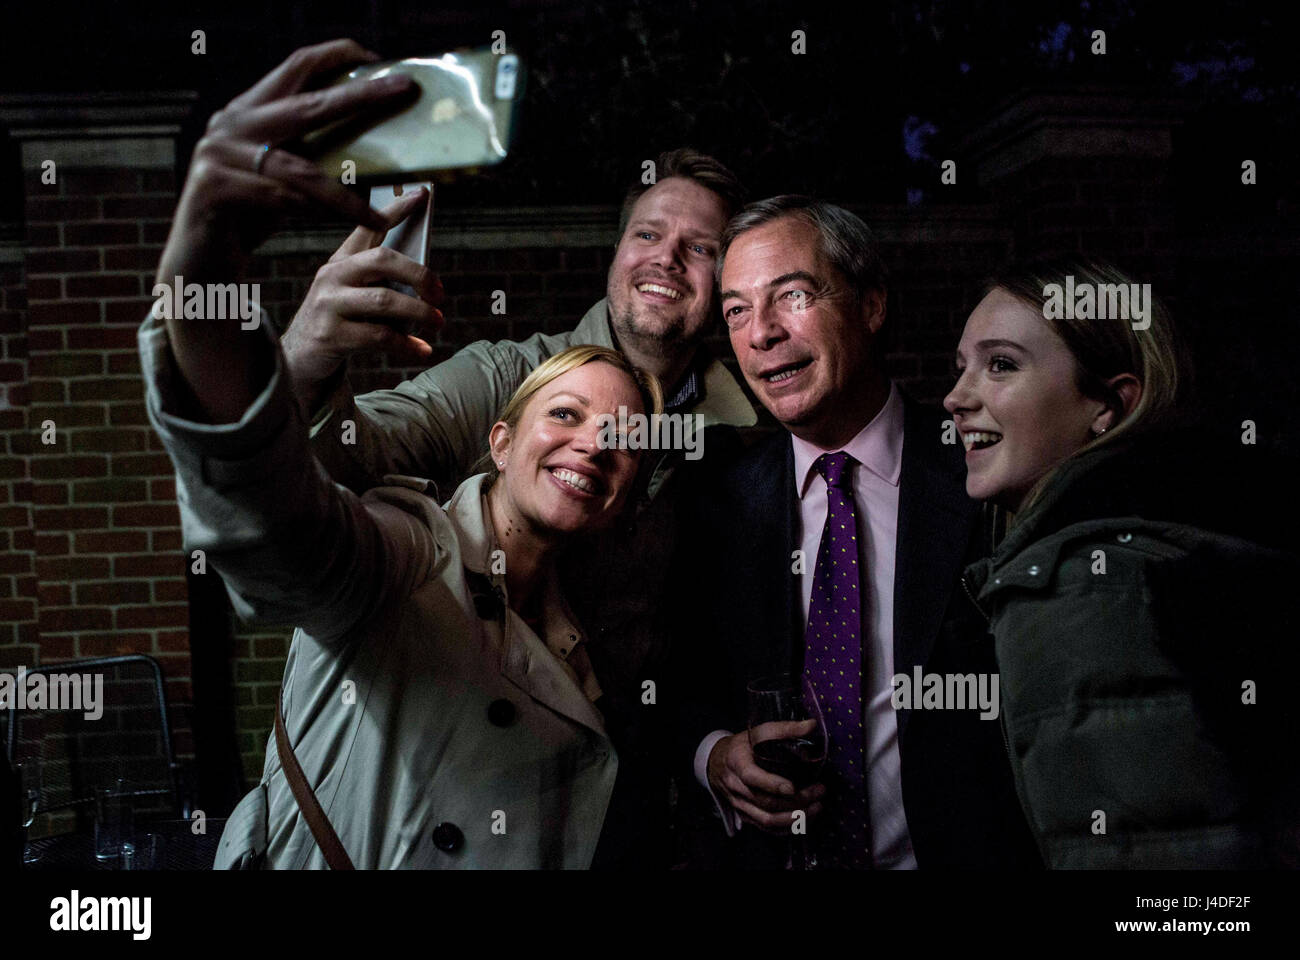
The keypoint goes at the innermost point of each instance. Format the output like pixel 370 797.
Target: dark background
pixel 91 561
pixel 883 90
pixel 884 93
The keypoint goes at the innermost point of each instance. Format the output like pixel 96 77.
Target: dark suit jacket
pixel 741 617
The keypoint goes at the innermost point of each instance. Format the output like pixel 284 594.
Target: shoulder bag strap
pixel 320 825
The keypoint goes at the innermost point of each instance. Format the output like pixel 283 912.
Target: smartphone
pixel 464 116
pixel 411 236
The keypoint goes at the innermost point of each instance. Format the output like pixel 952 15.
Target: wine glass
pixel 787 735
pixel 29 785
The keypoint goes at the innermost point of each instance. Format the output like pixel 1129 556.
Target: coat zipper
pixel 970 596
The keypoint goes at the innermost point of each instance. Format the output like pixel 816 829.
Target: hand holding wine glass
pixel 759 798
pixel 787 735
pixel 789 749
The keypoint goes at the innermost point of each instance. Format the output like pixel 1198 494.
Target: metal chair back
pixel 77 753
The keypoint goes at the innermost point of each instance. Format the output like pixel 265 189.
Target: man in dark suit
pixel 835 550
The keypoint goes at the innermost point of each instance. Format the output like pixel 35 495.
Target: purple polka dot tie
pixel 833 664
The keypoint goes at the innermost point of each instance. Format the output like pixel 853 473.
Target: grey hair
pixel 846 241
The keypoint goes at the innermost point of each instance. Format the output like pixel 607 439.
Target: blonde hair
pixel 647 384
pixel 570 359
pixel 1105 348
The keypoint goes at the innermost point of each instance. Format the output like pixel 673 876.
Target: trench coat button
pixel 1033 570
pixel 501 713
pixel 1124 537
pixel 448 838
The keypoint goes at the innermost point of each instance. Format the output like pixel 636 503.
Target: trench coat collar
pixel 723 401
pixel 526 661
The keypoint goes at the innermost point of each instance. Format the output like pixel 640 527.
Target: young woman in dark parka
pixel 1141 602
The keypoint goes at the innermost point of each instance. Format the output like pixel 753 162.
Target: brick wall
pixel 106 537
pixel 107 543
pixel 18 594
pixel 1112 208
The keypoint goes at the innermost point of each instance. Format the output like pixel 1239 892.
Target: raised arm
pixel 433 426
pixel 239 186
pixel 291 546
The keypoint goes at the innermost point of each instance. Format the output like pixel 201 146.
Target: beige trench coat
pixel 436 728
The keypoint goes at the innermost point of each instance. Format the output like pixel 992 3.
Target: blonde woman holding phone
pixel 438 708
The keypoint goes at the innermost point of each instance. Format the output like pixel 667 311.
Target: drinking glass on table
pixel 29 784
pixel 793 752
pixel 147 851
pixel 113 820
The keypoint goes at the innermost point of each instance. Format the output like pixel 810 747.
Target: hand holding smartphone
pixel 410 237
pixel 465 116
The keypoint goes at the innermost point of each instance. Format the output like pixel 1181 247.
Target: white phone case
pixel 411 236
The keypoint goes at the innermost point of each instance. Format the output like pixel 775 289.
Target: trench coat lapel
pixel 532 667
pixel 524 658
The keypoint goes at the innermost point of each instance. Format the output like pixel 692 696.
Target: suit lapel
pixel 935 520
pixel 766 519
pixel 790 594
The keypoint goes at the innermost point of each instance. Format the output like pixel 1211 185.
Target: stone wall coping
pixel 504 228
pixel 41 114
pixel 1076 122
pixel 1080 104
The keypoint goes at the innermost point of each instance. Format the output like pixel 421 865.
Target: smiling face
pixel 660 285
pixel 1017 403
pixel 555 478
pixel 801 335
